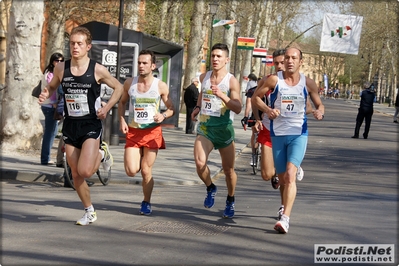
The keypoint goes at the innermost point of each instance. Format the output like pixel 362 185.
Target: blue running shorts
pixel 288 149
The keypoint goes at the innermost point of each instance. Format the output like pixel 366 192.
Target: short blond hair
pixel 84 31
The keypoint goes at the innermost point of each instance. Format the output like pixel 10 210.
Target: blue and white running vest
pixel 291 101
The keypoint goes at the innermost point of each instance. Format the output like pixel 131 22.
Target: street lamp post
pixel 213 9
pixel 237 31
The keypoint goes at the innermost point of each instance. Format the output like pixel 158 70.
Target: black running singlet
pixel 81 93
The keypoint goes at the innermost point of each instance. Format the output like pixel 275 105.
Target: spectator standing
pixel 48 108
pixel 190 100
pixel 365 111
pixel 395 116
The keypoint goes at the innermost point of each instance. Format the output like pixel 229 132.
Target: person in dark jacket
pixel 366 110
pixel 395 116
pixel 190 100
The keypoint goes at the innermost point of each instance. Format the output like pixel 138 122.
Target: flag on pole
pixel 341 33
pixel 245 43
pixel 259 52
pixel 217 23
pixel 268 60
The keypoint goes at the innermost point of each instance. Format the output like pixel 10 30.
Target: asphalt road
pixel 349 195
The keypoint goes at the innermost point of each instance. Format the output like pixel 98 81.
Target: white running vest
pixel 291 101
pixel 143 106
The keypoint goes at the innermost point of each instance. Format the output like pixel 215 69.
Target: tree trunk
pixel 194 45
pixel 132 14
pixel 173 21
pixel 260 16
pixel 229 34
pixel 163 19
pixel 20 123
pixel 56 29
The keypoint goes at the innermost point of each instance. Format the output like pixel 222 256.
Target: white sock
pixel 102 154
pixel 89 209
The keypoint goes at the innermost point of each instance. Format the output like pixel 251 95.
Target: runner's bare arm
pixel 199 100
pixel 103 76
pixel 257 97
pixel 313 90
pixel 164 92
pixel 50 88
pixel 123 127
pixel 234 101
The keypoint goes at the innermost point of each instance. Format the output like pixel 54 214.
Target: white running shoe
pixel 87 218
pixel 108 159
pixel 283 225
pixel 299 174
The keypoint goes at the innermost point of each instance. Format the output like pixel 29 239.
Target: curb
pixel 31 176
pixel 28 176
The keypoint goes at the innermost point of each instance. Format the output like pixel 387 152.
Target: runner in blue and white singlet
pixel 291 101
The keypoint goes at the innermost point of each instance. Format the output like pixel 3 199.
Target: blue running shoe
pixel 145 208
pixel 229 210
pixel 210 198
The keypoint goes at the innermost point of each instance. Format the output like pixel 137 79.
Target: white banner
pixel 341 33
pixel 223 22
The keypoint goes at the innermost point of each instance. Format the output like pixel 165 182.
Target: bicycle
pixel 103 176
pixel 256 157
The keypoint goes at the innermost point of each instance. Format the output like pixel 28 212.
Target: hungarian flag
pixel 259 52
pixel 245 43
pixel 341 33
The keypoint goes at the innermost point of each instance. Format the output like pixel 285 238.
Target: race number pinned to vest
pixel 144 113
pixel 77 105
pixel 292 105
pixel 211 105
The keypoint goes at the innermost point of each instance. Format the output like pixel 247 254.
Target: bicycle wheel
pixel 68 180
pixel 255 162
pixel 103 175
pixel 258 151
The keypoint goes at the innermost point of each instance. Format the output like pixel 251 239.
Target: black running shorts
pixel 75 132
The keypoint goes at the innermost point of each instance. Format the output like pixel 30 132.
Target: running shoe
pixel 283 225
pixel 108 159
pixel 229 210
pixel 280 212
pixel 87 218
pixel 275 182
pixel 210 198
pixel 299 174
pixel 145 208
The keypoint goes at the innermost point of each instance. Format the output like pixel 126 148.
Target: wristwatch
pixel 164 115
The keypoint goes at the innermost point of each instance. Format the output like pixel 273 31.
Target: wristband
pixel 197 107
